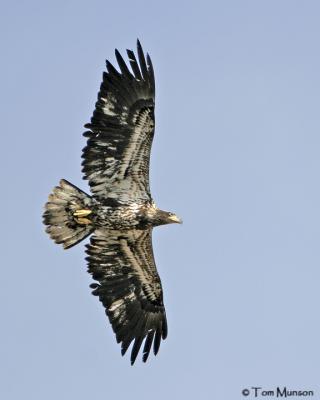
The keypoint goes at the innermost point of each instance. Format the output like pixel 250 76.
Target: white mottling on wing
pixel 108 105
pixel 135 262
pixel 116 304
pixel 120 303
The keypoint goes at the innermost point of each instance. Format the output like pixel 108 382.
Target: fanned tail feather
pixel 62 226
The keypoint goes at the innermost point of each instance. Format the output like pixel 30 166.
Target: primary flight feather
pixel 120 214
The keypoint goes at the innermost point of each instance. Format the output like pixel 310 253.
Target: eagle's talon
pixel 82 213
pixel 83 221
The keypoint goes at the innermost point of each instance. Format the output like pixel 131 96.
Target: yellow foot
pixel 83 221
pixel 82 213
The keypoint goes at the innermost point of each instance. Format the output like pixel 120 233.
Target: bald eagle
pixel 121 213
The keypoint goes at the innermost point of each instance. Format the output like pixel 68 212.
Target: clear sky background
pixel 236 155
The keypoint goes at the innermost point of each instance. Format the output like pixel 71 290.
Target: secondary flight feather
pixel 121 214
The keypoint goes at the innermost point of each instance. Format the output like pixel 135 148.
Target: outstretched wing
pixel 129 287
pixel 116 158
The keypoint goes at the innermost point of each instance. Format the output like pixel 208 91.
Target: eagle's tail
pixel 67 214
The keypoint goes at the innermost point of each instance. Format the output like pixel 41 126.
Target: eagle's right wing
pixel 116 157
pixel 129 287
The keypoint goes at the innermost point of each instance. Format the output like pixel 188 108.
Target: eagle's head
pixel 161 217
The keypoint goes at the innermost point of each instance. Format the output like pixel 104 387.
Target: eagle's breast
pixel 121 217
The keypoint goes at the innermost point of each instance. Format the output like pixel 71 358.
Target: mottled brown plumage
pixel 120 214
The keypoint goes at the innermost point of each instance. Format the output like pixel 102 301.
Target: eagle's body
pixel 133 216
pixel 118 217
pixel 121 213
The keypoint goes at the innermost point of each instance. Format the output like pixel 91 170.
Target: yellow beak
pixel 176 219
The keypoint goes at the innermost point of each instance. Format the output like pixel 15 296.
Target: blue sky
pixel 236 155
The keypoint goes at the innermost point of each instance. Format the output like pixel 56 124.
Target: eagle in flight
pixel 120 214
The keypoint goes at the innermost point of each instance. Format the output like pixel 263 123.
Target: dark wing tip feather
pixel 125 345
pixel 164 328
pixel 111 69
pixel 152 337
pixel 123 66
pixel 151 74
pixel 157 341
pixel 135 349
pixel 142 62
pixel 147 346
pixel 134 65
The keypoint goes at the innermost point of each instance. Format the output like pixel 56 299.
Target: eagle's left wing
pixel 116 158
pixel 129 287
